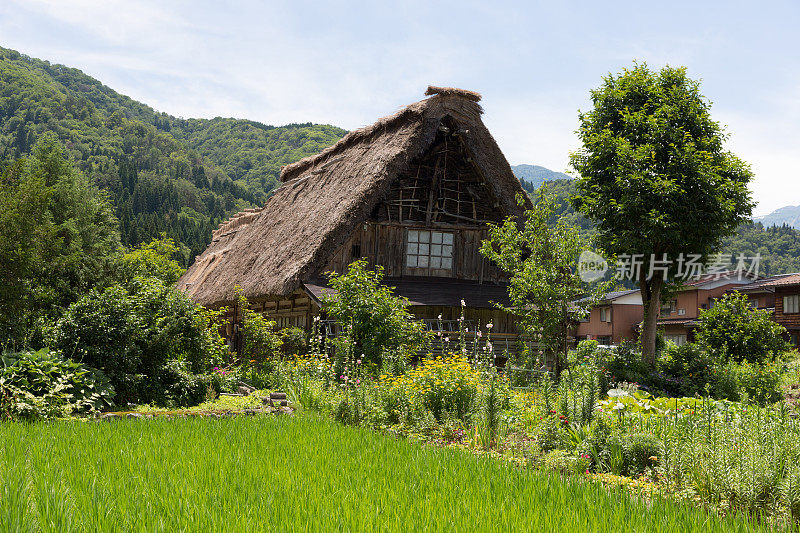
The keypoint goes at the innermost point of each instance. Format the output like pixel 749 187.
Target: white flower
pixel 489 325
pixel 447 339
pixel 463 304
pixel 479 334
pixel 440 317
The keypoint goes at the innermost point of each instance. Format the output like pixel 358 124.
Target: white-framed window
pixel 791 304
pixel 679 340
pixel 681 311
pixel 429 249
pixel 605 314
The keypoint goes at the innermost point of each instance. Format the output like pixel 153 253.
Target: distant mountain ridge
pixel 789 215
pixel 536 175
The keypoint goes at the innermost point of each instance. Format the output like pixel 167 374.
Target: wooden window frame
pixel 436 247
pixel 795 305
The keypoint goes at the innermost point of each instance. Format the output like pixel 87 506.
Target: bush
pixel 183 388
pixel 261 344
pixel 683 370
pixel 640 453
pixel 565 462
pixel 294 341
pixel 760 383
pixel 132 334
pixel 376 320
pixel 551 433
pixel 734 331
pixel 625 364
pixel 44 385
pixel 445 385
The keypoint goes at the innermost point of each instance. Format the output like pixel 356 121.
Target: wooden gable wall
pixel 444 192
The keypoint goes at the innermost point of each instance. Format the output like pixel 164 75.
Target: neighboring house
pixel 678 316
pixel 614 318
pixel 412 193
pixel 781 295
pixel 617 317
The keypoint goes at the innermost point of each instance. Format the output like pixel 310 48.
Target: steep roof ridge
pixel 293 170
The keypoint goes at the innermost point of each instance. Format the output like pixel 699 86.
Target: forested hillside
pixel 162 174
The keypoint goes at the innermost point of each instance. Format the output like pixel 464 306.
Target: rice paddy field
pixel 301 473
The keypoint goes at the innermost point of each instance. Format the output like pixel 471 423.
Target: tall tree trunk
pixel 651 302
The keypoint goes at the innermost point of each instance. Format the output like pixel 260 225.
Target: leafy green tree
pixel 378 321
pixel 59 237
pixel 734 331
pixel 24 198
pixel 544 283
pixel 655 178
pixel 154 259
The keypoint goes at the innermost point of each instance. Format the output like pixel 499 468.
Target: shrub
pixel 44 385
pixel 595 444
pixel 732 330
pixel 183 388
pixel 760 383
pixel 261 344
pixel 625 364
pixel 640 452
pixel 683 370
pixel 551 432
pixel 131 334
pixel 294 341
pixel 565 462
pixel 377 320
pixel 445 385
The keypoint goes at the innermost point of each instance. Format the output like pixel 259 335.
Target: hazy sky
pixel 349 63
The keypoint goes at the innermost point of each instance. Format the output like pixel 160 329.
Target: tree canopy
pixel 59 236
pixel 544 283
pixel 655 177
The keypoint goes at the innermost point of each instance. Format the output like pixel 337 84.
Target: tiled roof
pixel 772 281
pixel 731 275
pixel 677 321
pixel 609 296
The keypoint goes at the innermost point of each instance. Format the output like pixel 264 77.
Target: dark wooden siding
pixel 787 320
pixel 383 243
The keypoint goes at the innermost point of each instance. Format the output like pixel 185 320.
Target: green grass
pixel 301 473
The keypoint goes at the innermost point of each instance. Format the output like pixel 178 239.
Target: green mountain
pixel 789 215
pixel 163 174
pixel 532 176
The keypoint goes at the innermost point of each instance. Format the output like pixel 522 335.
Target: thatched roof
pixel 270 251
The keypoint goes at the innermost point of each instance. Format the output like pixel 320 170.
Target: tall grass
pixel 302 473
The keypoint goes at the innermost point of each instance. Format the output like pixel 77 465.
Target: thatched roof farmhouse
pixel 412 192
